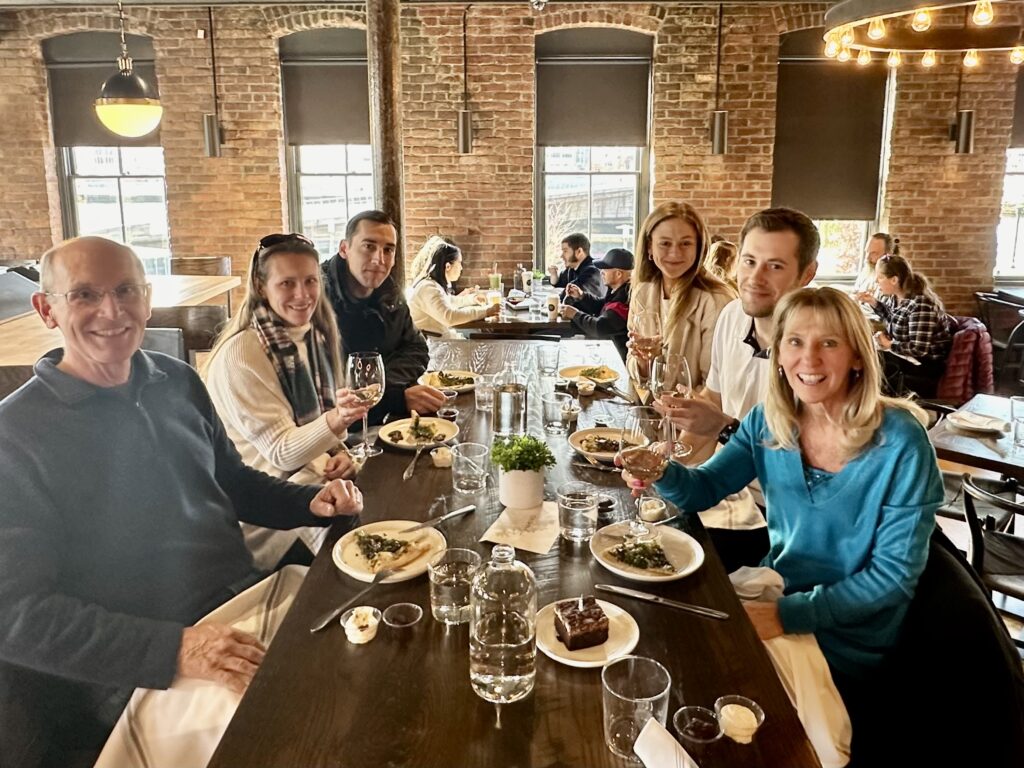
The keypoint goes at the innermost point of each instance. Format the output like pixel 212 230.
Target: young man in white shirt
pixel 778 254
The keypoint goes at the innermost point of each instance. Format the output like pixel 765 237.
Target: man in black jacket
pixel 373 316
pixel 579 267
pixel 603 318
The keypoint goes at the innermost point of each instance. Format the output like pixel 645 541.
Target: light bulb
pixel 983 13
pixel 832 48
pixel 1017 55
pixel 971 58
pixel 864 57
pixel 894 59
pixel 928 60
pixel 846 36
pixel 844 54
pixel 921 22
pixel 876 29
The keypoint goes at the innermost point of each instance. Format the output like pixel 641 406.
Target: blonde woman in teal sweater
pixel 850 483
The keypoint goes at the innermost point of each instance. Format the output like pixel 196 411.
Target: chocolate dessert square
pixel 580 628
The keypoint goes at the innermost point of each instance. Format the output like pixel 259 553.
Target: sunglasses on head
pixel 280 239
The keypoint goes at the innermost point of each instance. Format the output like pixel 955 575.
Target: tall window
pixel 593 190
pixel 331 183
pixel 842 246
pixel 1010 234
pixel 120 193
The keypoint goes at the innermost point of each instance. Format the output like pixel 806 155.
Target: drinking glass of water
pixel 451 576
pixel 577 511
pixel 635 689
pixel 469 467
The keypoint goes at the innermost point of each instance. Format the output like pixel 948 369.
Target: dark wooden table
pixel 990 452
pixel 523 321
pixel 405 699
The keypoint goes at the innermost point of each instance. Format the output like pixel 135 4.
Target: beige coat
pixel 435 310
pixel 692 337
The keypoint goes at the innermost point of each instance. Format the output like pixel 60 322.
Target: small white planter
pixel 520 489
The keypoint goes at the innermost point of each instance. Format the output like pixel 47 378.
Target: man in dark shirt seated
pixel 373 316
pixel 579 267
pixel 121 498
pixel 604 318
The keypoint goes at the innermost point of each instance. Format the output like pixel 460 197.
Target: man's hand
pixel 348 409
pixel 568 311
pixel 423 399
pixel 696 415
pixel 340 467
pixel 338 497
pixel 492 311
pixel 883 340
pixel 219 653
pixel 553 271
pixel 573 291
pixel 765 618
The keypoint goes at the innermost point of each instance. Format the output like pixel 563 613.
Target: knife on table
pixel 608 387
pixel 710 613
pixel 434 521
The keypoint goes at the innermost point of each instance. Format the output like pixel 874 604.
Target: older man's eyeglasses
pixel 125 294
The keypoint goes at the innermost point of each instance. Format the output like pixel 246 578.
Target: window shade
pixel 326 102
pixel 1017 137
pixel 828 138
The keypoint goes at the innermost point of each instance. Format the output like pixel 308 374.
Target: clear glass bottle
pixel 503 628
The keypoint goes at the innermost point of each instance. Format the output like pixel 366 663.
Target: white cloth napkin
pixel 183 725
pixel 657 749
pixel 534 530
pixel 973 420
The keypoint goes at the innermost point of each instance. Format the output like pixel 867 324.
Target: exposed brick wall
pixel 944 207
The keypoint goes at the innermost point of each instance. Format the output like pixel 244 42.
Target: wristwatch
pixel 728 431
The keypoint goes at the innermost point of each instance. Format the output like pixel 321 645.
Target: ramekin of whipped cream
pixel 442 457
pixel 739 717
pixel 360 623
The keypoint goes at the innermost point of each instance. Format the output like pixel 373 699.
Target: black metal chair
pixel 170 341
pixel 200 325
pixel 1003 318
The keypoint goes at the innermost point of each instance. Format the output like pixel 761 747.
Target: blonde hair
pixel 865 405
pixel 721 261
pixel 259 269
pixel 697 276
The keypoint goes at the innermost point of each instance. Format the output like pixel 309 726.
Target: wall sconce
pixel 465 120
pixel 962 132
pixel 211 122
pixel 719 118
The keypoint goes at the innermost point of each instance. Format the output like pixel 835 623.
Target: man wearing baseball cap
pixel 603 318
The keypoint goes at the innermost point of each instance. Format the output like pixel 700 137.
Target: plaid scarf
pixel 310 390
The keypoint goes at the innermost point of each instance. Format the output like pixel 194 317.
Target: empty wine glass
pixel 643 452
pixel 645 337
pixel 364 375
pixel 670 381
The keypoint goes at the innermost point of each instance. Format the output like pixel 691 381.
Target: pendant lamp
pixel 127 104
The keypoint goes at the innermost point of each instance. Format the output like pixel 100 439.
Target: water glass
pixel 508 416
pixel 634 689
pixel 1017 421
pixel 558 412
pixel 451 576
pixel 577 511
pixel 484 393
pixel 547 359
pixel 469 467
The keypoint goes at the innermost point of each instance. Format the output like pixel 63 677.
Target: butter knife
pixel 435 521
pixel 608 387
pixel 710 613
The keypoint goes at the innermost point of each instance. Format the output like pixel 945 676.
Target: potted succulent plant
pixel 521 460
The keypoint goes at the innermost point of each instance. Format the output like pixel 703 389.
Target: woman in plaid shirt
pixel 917 325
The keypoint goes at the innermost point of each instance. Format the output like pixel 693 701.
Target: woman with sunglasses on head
pixel 916 325
pixel 434 309
pixel 272 376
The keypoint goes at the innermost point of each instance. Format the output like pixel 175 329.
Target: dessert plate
pixel 623 635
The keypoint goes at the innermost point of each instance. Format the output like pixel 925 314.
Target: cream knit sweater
pixel 435 310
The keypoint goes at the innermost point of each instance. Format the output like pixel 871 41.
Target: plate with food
pixel 362 552
pixel 600 443
pixel 601 374
pixel 977 422
pixel 518 302
pixel 460 381
pixel 668 555
pixel 587 636
pixel 409 434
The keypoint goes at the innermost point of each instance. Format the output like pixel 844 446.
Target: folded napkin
pixel 762 584
pixel 534 530
pixel 973 420
pixel 657 749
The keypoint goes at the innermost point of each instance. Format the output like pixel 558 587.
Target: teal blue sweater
pixel 852 548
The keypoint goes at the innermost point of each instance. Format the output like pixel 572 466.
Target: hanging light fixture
pixel 929 59
pixel 893 59
pixel 971 59
pixel 864 57
pixel 844 54
pixel 1017 55
pixel 719 118
pixel 465 123
pixel 127 105
pixel 876 29
pixel 832 48
pixel 211 122
pixel 921 21
pixel 983 13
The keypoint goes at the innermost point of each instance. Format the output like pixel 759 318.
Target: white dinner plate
pixel 573 372
pixel 351 562
pixel 976 422
pixel 623 635
pixel 576 441
pixel 447 430
pixel 681 549
pixel 430 379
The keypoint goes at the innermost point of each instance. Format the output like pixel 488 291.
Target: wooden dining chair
pixel 996 556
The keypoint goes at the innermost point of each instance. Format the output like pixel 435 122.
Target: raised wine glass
pixel 670 381
pixel 645 335
pixel 643 452
pixel 364 375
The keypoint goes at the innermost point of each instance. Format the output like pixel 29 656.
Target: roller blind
pixel 1017 138
pixel 828 136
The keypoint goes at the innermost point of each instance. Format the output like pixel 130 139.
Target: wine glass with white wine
pixel 670 382
pixel 364 375
pixel 643 452
pixel 645 338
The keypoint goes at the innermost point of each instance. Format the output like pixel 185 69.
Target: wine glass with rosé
pixel 645 344
pixel 644 453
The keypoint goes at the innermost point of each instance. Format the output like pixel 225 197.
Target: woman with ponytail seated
pixel 272 376
pixel 433 308
pixel 917 329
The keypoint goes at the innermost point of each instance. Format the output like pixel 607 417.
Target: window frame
pixel 1018 278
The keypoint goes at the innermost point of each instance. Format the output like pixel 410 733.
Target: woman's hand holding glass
pixel 349 407
pixel 643 454
pixel 671 384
